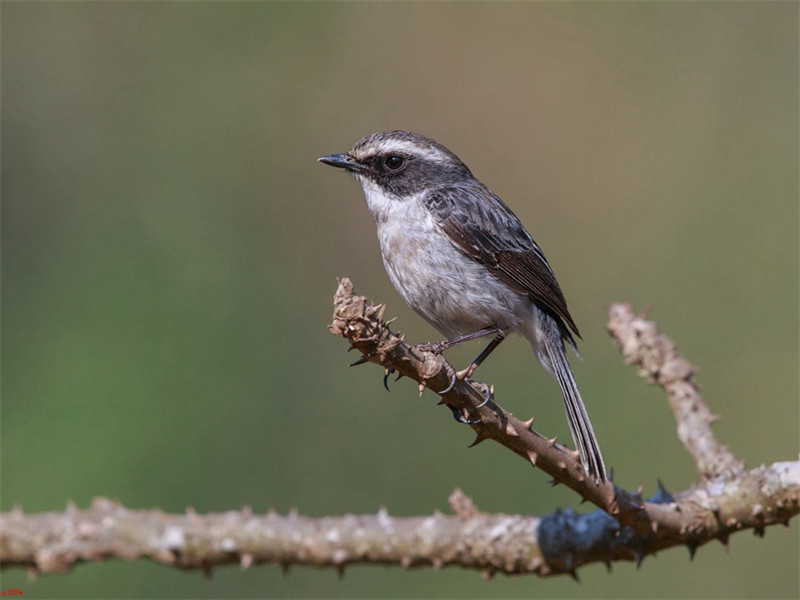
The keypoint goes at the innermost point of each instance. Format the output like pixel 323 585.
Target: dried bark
pixel 728 498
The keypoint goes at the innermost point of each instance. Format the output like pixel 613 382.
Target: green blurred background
pixel 170 247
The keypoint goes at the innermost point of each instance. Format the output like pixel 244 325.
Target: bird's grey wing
pixel 484 228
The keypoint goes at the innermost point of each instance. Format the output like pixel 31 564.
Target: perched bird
pixel 464 262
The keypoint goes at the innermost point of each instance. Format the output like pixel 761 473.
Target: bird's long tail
pixel 579 424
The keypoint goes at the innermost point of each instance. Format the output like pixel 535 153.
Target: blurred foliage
pixel 170 248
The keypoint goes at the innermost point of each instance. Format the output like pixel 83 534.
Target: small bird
pixel 464 262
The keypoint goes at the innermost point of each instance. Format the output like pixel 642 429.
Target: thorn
pixel 422 387
pixel 340 570
pixel 654 526
pixel 723 539
pixel 574 575
pixel 479 437
pixel 360 361
pixel 380 311
pixel 692 547
pixel 533 457
pixel 529 423
pixel 608 566
pixel 638 556
pixel 639 490
pixel 553 482
pixel 399 377
pixel 552 441
pixel 662 496
pixel 759 531
pixel 389 322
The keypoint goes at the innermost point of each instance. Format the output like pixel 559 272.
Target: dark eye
pixel 393 162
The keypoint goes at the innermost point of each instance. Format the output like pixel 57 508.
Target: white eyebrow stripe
pixel 404 147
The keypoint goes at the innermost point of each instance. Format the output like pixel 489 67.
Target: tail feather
pixel 578 419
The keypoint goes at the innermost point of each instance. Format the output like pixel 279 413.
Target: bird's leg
pixel 468 372
pixel 440 347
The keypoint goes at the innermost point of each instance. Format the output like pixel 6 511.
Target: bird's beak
pixel 341 161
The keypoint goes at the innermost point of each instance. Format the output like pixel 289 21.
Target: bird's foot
pixel 457 415
pixel 461 418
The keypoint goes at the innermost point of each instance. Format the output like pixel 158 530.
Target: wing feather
pixel 484 228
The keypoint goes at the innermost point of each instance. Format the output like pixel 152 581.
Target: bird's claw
pixel 389 371
pixel 461 418
pixel 487 398
pixel 457 413
pixel 453 380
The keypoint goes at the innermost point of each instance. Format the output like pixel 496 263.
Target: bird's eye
pixel 393 162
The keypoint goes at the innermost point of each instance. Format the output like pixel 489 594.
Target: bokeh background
pixel 170 247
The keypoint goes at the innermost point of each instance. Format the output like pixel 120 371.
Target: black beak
pixel 341 161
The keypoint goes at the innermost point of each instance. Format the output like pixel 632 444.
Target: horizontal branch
pixel 555 544
pixel 625 527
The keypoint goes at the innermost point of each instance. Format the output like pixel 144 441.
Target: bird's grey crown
pixel 404 143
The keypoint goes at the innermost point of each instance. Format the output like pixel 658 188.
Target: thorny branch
pixel 625 527
pixel 642 344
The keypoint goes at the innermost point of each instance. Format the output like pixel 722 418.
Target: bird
pixel 465 263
